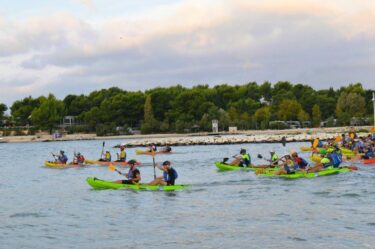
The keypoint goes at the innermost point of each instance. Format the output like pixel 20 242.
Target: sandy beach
pixel 249 136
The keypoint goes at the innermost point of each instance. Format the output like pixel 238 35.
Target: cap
pixel 166 163
pixel 132 161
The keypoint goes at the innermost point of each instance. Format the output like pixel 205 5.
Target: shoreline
pixel 203 138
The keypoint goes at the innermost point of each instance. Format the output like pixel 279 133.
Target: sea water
pixel 44 207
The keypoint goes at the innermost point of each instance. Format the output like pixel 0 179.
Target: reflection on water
pixel 55 208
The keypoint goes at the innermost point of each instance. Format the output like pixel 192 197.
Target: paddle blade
pixel 111 167
pixel 260 156
pixel 315 143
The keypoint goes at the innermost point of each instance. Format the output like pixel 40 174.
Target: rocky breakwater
pixel 228 139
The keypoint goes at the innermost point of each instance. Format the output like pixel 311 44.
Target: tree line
pixel 179 109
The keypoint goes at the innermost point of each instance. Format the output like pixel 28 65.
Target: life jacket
pixel 326 162
pixel 123 155
pixel 246 159
pixel 302 163
pixel 108 156
pixel 274 157
pixel 131 173
pixel 80 159
pixel 335 159
pixel 170 176
pixel 63 158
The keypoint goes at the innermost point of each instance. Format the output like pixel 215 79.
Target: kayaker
pixel 62 158
pixel 242 160
pixel 153 147
pixel 169 175
pixel 274 158
pixel 122 156
pixel 334 157
pixel 80 158
pixel 369 151
pixel 302 163
pixel 133 175
pixel 167 149
pixel 324 162
pixel 289 167
pixel 106 157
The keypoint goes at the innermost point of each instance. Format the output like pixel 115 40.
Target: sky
pixel 77 46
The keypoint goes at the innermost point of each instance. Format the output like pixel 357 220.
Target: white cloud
pixel 191 42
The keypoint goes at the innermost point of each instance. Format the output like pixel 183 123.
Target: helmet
pixel 323 151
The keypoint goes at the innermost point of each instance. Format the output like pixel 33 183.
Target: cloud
pixel 190 42
pixel 89 4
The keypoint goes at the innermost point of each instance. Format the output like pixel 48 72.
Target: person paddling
pixel 169 175
pixel 274 158
pixel 242 160
pixel 62 158
pixel 122 157
pixel 133 176
pixel 302 163
pixel 78 159
pixel 106 157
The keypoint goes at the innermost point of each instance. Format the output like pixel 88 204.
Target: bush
pixel 106 129
pixel 278 126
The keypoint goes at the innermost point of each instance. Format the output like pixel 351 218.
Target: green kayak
pixel 226 167
pixel 303 174
pixel 96 183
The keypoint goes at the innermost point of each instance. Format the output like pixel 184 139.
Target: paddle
pixel 153 161
pixel 101 155
pixel 54 156
pixel 315 143
pixel 111 167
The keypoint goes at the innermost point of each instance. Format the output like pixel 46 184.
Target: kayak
pixel 62 165
pixel 368 161
pixel 142 152
pixel 101 184
pixel 345 151
pixel 304 174
pixel 226 167
pixel 108 163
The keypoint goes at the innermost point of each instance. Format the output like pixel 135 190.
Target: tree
pixel 303 116
pixel 149 122
pixel 49 114
pixel 262 116
pixel 289 109
pixel 21 109
pixel 316 116
pixel 351 103
pixel 3 109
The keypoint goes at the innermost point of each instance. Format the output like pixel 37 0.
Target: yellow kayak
pixel 61 165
